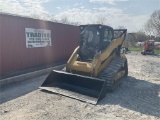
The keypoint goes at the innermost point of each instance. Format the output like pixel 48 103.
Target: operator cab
pixel 94 39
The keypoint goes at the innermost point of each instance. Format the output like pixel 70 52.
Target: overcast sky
pixel 129 13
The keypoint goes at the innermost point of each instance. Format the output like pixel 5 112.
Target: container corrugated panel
pixel 14 54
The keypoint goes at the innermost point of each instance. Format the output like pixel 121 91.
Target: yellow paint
pixel 95 67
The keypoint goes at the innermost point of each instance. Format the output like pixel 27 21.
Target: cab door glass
pixel 107 35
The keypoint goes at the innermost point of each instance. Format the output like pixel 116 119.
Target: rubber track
pixel 110 72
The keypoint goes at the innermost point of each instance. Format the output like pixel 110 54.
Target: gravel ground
pixel 138 97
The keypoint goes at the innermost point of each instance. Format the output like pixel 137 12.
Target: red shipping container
pixel 14 55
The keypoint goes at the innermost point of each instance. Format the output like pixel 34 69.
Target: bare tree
pixel 64 19
pixel 148 28
pixel 53 19
pixel 153 24
pixel 101 19
pixel 133 38
pixel 46 16
pixel 140 36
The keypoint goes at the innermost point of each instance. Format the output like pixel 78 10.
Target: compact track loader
pixel 148 47
pixel 95 67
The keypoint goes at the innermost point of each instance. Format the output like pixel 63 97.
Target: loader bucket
pixel 80 87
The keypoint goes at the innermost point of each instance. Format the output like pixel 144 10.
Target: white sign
pixel 37 37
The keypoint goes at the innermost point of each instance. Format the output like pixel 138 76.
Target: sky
pixel 132 14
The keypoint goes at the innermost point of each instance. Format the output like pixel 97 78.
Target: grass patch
pixel 157 51
pixel 140 49
pixel 135 49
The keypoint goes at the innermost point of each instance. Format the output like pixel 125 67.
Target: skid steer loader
pixel 148 47
pixel 95 67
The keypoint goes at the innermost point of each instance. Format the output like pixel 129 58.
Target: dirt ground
pixel 137 98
